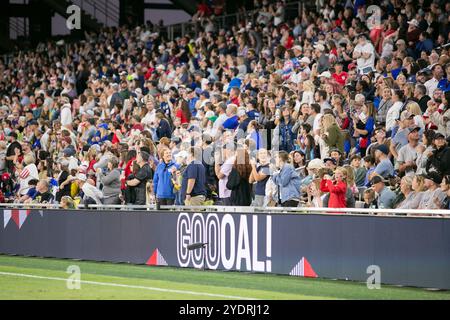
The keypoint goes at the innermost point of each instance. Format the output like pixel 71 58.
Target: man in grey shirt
pixel 407 154
pixel 384 167
pixel 386 197
pixel 433 197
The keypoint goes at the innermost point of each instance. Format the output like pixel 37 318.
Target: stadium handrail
pixel 234 209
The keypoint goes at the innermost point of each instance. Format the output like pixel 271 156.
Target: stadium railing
pixel 234 209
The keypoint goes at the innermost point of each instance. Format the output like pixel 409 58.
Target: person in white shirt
pixel 150 116
pixel 315 112
pixel 66 115
pixel 432 84
pixel 220 119
pixel 30 172
pixel 364 53
pixel 91 193
pixel 394 111
pixel 279 14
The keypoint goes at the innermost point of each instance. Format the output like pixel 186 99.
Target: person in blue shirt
pixel 364 127
pixel 233 120
pixel 101 135
pixel 192 100
pixel 234 83
pixel 163 127
pixel 369 164
pixel 287 135
pixel 424 44
pixel 193 185
pixel 444 83
pixel 162 180
pixel 384 167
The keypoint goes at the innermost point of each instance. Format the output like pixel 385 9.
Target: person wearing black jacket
pixel 440 158
pixel 163 129
pixel 238 180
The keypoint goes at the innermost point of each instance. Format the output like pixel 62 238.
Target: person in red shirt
pixel 337 188
pixel 183 112
pixel 339 75
pixel 127 167
pixel 234 96
pixel 136 122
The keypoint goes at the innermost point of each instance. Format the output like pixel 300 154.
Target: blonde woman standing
pixel 330 136
pixel 308 92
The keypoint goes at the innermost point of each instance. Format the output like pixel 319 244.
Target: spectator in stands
pixel 259 176
pixel 91 194
pixel 337 187
pixel 384 167
pixel 193 185
pixel 439 160
pixel 143 176
pixel 385 197
pixel 110 182
pixel 287 180
pixel 26 174
pixel 359 171
pixel 370 200
pixel 433 197
pixel 238 181
pixel 407 190
pixel 162 181
pixel 42 194
pixel 407 155
pixel 445 187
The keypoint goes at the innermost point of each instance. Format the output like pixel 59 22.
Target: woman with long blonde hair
pixel 331 136
pixel 308 92
pixel 408 88
pixel 315 194
pixel 414 108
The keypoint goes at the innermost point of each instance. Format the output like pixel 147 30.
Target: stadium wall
pixel 408 251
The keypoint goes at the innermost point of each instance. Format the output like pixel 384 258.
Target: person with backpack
pixel 287 180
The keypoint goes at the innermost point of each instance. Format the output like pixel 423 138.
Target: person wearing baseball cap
pixel 384 167
pixel 407 154
pixel 323 61
pixel 400 139
pixel 385 196
pixel 433 197
pixel 440 159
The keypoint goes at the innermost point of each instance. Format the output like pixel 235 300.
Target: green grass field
pixel 35 278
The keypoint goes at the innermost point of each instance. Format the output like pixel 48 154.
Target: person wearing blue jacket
pixel 162 180
pixel 287 180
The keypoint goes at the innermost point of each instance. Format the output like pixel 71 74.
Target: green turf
pixel 259 286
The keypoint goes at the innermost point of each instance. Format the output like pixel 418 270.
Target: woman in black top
pixel 64 185
pixel 238 180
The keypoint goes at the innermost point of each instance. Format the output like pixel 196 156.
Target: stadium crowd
pixel 340 107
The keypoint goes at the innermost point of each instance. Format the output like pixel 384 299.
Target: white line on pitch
pixel 194 293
